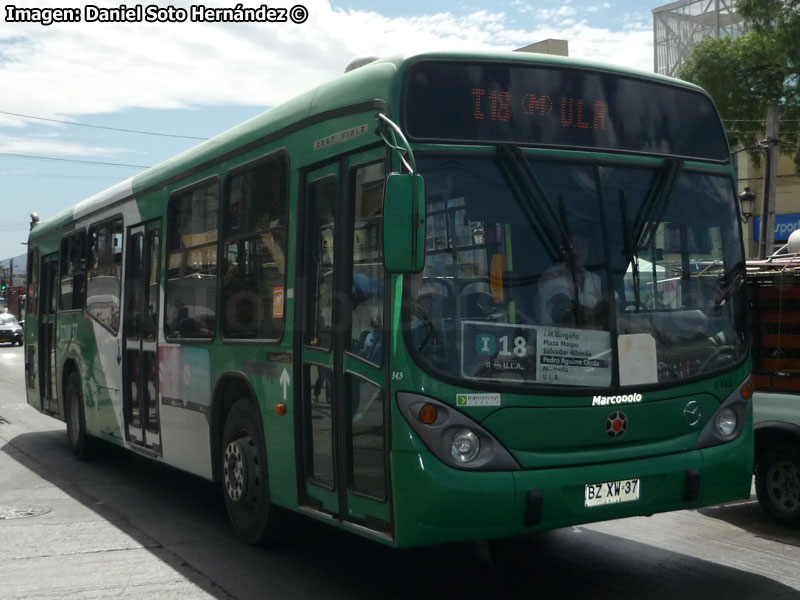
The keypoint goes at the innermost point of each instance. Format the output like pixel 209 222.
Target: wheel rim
pixel 783 485
pixel 235 471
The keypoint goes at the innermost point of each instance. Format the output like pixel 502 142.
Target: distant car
pixel 10 329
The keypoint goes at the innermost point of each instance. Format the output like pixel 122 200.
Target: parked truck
pixel 774 292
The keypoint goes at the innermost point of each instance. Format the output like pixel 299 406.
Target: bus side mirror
pixel 404 223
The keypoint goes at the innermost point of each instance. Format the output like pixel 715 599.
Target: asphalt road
pixel 120 526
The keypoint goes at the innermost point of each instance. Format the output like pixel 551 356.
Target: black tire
pixel 244 473
pixel 79 441
pixel 778 483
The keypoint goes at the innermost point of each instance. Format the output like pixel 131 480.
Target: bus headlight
pixel 465 446
pixel 729 420
pixel 453 437
pixel 725 422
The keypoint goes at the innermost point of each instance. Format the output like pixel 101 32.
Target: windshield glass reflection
pixel 576 274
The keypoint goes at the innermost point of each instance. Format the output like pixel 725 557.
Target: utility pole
pixel 766 244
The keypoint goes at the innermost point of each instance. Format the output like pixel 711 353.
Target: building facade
pixel 679 25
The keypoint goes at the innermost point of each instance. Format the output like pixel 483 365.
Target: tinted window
pixel 191 287
pixel 533 286
pixel 73 272
pixel 366 339
pixel 105 270
pixel 319 261
pixel 254 256
pixel 33 283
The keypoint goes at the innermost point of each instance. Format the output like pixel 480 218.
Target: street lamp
pixel 746 201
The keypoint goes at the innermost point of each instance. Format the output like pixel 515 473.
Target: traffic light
pixel 3 286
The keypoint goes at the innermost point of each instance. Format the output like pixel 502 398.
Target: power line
pixel 759 120
pixel 53 176
pixel 785 175
pixel 761 132
pixel 745 149
pixel 186 137
pixel 74 160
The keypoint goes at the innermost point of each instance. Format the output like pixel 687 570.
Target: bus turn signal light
pixel 428 414
pixel 747 390
pixel 280 409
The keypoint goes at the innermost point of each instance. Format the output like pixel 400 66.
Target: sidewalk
pixel 59 540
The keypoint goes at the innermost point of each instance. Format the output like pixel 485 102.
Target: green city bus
pixel 443 297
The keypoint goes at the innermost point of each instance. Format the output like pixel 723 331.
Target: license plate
pixel 611 492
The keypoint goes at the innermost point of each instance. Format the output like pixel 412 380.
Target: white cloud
pixel 90 68
pixel 547 14
pixel 51 145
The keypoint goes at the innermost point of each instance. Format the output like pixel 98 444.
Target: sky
pixel 66 89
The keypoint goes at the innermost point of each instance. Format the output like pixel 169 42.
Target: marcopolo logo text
pixel 610 400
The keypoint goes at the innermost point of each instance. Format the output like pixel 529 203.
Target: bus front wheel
pixel 244 473
pixel 778 483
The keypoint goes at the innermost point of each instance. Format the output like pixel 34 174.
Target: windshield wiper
pixel 654 205
pixel 534 202
pixel 725 292
pixel 630 249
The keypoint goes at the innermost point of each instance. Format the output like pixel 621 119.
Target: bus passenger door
pixel 319 404
pixel 48 303
pixel 344 406
pixel 140 336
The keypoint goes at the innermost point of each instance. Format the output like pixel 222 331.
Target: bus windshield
pixel 576 274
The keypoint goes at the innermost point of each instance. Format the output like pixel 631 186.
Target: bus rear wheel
pixel 79 441
pixel 778 483
pixel 244 473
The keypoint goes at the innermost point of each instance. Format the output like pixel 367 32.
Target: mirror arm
pixel 403 149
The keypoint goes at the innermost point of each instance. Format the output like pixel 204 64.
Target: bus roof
pixel 376 80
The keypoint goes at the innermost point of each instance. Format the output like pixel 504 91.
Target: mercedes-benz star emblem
pixel 616 424
pixel 692 413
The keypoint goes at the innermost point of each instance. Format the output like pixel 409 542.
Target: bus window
pixel 33 283
pixel 254 254
pixel 190 293
pixel 105 271
pixel 634 266
pixel 319 317
pixel 73 272
pixel 366 339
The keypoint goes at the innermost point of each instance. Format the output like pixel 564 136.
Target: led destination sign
pixel 555 106
pixel 573 111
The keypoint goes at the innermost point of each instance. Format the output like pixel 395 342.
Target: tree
pixel 746 75
pixel 777 18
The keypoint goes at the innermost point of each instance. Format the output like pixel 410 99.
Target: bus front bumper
pixel 434 503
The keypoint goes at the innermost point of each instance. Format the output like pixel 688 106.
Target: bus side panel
pixel 186 439
pixel 262 369
pixel 185 391
pixel 102 379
